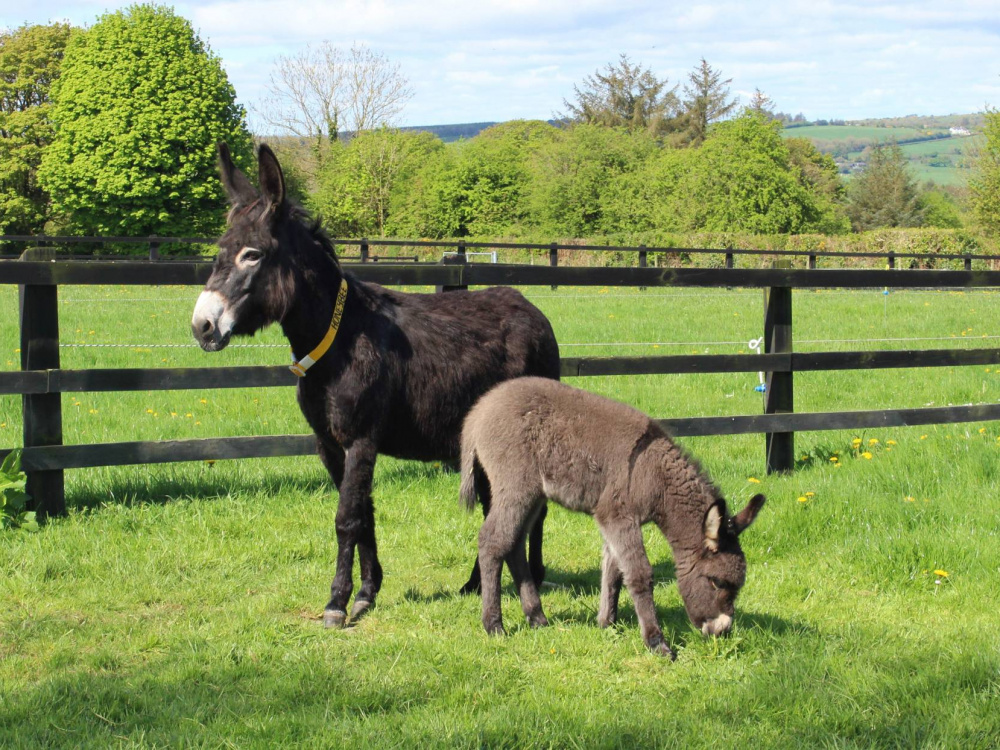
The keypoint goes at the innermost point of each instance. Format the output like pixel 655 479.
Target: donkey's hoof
pixel 495 629
pixel 539 621
pixel 360 607
pixel 334 618
pixel 471 587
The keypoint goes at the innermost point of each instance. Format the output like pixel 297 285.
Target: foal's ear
pixel 712 526
pixel 238 187
pixel 746 516
pixel 272 181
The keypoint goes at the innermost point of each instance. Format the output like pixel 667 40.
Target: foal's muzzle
pixel 717 626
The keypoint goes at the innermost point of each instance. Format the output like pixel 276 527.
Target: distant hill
pixel 449 133
pixel 939 148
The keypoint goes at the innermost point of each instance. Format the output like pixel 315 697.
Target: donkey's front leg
pixel 355 528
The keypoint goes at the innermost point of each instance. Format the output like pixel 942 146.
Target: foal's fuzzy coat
pixel 530 439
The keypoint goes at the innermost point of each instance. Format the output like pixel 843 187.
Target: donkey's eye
pixel 715 583
pixel 249 255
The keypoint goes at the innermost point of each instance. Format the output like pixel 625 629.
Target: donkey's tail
pixel 472 472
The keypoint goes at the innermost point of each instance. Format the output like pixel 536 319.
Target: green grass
pixel 179 605
pixel 856 132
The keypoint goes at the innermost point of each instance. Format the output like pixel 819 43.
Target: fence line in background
pixel 41 380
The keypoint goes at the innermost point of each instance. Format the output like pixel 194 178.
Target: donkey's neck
pixel 311 310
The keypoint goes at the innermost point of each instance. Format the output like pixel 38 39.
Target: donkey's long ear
pixel 238 187
pixel 272 181
pixel 746 516
pixel 712 527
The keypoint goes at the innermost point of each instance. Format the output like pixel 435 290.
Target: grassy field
pixel 180 604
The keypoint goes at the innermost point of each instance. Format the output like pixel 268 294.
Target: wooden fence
pixel 41 381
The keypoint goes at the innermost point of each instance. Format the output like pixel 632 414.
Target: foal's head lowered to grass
pixel 262 256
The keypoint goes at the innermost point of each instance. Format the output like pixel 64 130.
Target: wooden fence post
pixel 364 249
pixel 554 259
pixel 460 259
pixel 42 413
pixel 154 249
pixel 778 396
pixel 643 261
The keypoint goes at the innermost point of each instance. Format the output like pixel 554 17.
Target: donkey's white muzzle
pixel 211 324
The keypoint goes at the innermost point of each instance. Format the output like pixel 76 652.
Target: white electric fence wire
pixel 606 343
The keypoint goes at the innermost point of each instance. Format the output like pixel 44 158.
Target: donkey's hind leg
pixel 625 539
pixel 355 528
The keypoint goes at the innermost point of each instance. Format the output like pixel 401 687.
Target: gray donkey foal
pixel 530 439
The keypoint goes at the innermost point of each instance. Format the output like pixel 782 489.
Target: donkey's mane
pixel 256 210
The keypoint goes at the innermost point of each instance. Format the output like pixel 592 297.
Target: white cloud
pixel 500 59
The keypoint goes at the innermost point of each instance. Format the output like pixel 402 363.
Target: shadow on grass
pixel 158 489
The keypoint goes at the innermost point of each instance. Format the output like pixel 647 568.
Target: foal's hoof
pixel 662 649
pixel 334 618
pixel 360 607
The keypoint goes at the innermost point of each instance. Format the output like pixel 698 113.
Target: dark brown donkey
pixel 380 371
pixel 532 439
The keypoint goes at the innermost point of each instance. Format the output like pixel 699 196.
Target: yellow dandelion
pixel 856 441
pixel 923 437
pixel 189 415
pixel 982 430
pixel 197 423
pixel 834 459
pixel 173 414
pixel 890 442
pixel 910 499
pixel 93 411
pixel 753 480
pixel 866 455
pixel 149 411
pixel 873 441
pixel 810 494
pixel 941 573
pixel 803 499
pixel 3 424
pixel 203 400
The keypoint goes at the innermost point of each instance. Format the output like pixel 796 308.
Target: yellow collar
pixel 300 367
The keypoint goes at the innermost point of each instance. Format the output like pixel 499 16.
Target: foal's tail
pixel 472 474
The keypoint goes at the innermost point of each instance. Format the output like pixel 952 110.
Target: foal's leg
pixel 355 528
pixel 474 584
pixel 625 539
pixel 535 547
pixel 501 533
pixel 527 591
pixel 611 587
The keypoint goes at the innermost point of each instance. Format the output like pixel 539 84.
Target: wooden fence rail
pixel 41 381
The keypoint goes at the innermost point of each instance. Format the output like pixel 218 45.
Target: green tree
pixel 572 175
pixel 479 187
pixel 984 186
pixel 30 58
pixel 818 173
pixel 625 96
pixel 743 180
pixel 139 106
pixel 360 181
pixel 939 209
pixel 706 100
pixel 885 193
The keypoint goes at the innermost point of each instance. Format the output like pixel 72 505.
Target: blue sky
pixel 483 61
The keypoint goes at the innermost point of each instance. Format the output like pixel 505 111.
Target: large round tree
pixel 138 110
